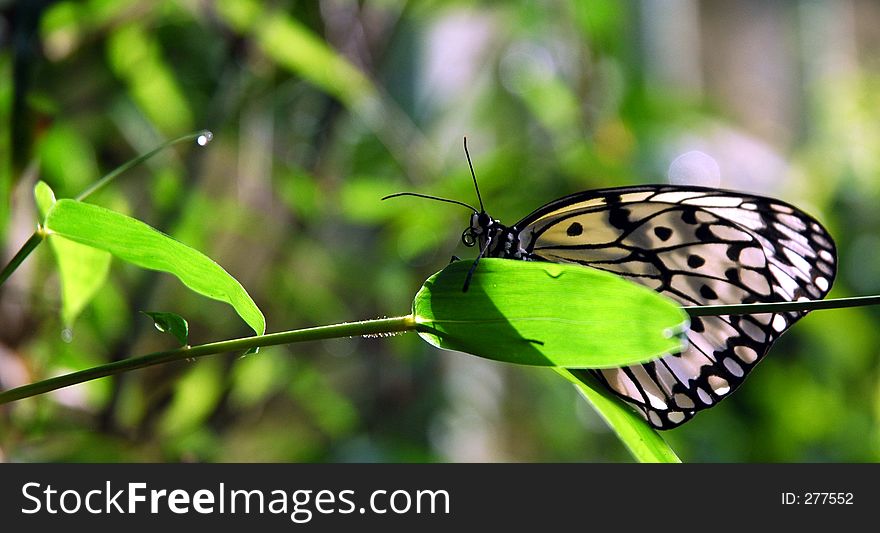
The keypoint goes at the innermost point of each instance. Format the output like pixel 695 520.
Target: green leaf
pixel 645 444
pixel 293 45
pixel 133 241
pixel 44 197
pixel 172 324
pixel 196 396
pixel 81 269
pixel 67 158
pixel 137 58
pixel 547 314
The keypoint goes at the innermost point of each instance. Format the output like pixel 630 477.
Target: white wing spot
pixel 714 201
pixel 719 385
pixel 822 241
pixel 781 208
pixel 822 283
pixel 665 378
pixel 683 401
pixel 729 233
pixel 733 367
pixel 676 417
pixel 752 330
pixel 752 257
pixel 800 264
pixel 674 197
pixel 704 396
pixel 750 219
pixel 786 284
pixel 702 343
pixel 635 196
pixel 779 323
pixel 655 396
pixel 756 282
pixel 619 381
pixel 746 354
pixel 793 222
pixel 684 367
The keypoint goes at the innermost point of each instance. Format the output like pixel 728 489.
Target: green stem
pixel 203 134
pixel 29 246
pixel 204 137
pixel 349 329
pixel 781 307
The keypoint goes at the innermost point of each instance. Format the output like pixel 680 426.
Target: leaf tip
pixel 172 324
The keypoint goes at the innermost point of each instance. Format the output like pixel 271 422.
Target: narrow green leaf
pixel 643 442
pixel 133 241
pixel 81 269
pixel 44 197
pixel 136 56
pixel 547 314
pixel 293 45
pixel 170 323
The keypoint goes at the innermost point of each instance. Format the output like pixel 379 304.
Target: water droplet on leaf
pixel 205 138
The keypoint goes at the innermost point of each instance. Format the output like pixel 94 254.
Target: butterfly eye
pixel 468 238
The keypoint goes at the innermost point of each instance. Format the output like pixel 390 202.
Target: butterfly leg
pixel 467 280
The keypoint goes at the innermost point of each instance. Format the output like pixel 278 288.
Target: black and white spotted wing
pixel 698 246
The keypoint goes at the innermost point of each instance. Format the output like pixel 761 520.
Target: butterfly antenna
pixel 474 176
pixel 429 197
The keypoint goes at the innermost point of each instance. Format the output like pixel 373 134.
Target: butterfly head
pixel 493 238
pixel 479 229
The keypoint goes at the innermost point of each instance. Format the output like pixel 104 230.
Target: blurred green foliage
pixel 318 110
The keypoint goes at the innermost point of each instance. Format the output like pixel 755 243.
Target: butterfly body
pixel 697 245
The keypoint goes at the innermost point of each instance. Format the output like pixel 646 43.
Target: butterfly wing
pixel 699 246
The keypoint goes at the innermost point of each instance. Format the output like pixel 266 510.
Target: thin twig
pixel 781 307
pixel 348 329
pixel 204 137
pixel 29 246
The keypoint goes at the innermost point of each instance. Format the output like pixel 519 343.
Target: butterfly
pixel 696 245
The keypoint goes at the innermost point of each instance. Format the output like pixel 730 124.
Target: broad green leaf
pixel 643 442
pixel 170 323
pixel 82 269
pixel 547 314
pixel 133 241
